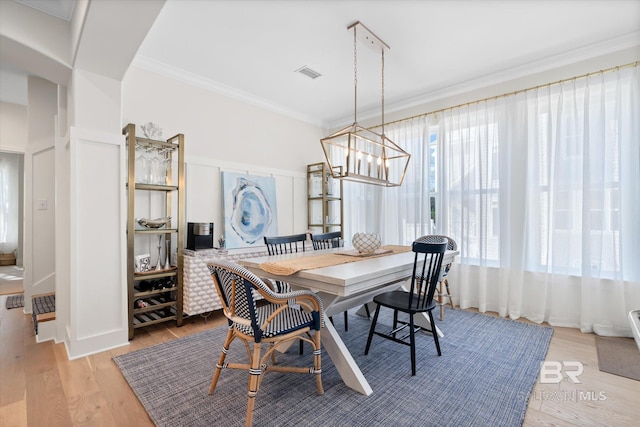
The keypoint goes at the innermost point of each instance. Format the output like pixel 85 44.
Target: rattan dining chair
pixel 442 291
pixel 417 300
pixel 273 323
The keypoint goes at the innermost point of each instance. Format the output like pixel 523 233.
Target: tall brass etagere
pixel 156 304
pixel 324 199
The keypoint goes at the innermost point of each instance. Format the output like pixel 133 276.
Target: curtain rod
pixel 616 68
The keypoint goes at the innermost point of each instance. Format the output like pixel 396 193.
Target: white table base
pixel 341 357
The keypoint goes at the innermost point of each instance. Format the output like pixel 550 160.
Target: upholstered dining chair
pixel 442 291
pixel 273 322
pixel 417 300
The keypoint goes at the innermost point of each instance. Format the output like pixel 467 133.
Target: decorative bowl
pixel 154 223
pixel 366 243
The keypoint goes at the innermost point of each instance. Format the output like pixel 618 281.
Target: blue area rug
pixel 487 370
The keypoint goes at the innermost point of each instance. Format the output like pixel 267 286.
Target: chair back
pixel 451 246
pixel 279 245
pixel 285 244
pixel 327 240
pixel 236 286
pixel 429 253
pixel 437 238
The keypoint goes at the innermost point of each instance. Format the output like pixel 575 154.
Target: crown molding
pixel 549 63
pixel 530 68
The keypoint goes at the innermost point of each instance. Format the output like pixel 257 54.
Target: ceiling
pixel 250 50
pixel 62 9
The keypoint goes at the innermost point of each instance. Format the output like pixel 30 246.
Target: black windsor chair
pixel 285 245
pixel 419 298
pixel 279 245
pixel 327 240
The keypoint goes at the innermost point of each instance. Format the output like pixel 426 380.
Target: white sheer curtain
pixel 406 209
pixel 541 190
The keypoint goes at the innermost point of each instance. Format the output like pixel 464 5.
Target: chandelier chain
pixel 359 154
pixel 355 77
pixel 382 91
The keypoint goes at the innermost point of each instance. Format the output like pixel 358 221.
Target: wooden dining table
pixel 344 286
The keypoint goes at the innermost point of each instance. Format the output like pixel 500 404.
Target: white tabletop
pixel 344 279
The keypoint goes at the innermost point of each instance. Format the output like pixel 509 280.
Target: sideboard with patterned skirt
pixel 199 293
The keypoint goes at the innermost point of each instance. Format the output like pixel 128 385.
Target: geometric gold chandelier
pixel 359 154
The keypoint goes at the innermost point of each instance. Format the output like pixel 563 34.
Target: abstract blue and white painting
pixel 249 209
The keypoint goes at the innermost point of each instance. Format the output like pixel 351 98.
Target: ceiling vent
pixel 312 74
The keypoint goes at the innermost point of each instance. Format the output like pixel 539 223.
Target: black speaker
pixel 199 235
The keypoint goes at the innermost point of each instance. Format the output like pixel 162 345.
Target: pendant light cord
pixel 355 77
pixel 382 92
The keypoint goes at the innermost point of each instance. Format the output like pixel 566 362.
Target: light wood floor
pixel 40 387
pixel 11 280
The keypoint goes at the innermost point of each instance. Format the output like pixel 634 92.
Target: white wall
pixel 204 194
pixel 13 127
pixel 91 199
pixel 223 134
pixel 39 236
pixel 97 243
pixel 88 113
pixel 217 127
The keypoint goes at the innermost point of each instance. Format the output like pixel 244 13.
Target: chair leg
pixel 446 283
pixel 223 355
pixel 366 309
pixel 412 341
pixel 395 320
pixel 317 362
pixel 434 332
pixel 346 320
pixel 301 347
pixel 372 329
pixel 254 378
pixel 441 297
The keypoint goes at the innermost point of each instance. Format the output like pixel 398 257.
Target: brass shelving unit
pixel 324 199
pixel 162 305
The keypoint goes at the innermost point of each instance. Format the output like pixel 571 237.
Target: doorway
pixel 11 221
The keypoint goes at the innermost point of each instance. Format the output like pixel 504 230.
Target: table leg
pixel 363 312
pixel 343 361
